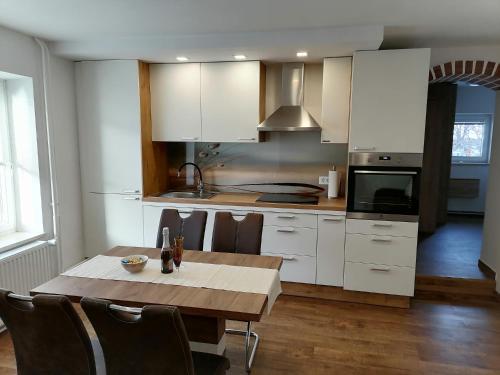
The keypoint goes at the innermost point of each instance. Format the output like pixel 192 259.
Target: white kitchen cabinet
pixel 111 220
pixel 330 251
pixel 336 100
pixel 297 268
pixel 175 102
pixel 109 126
pixel 289 240
pixel 389 100
pixel 230 101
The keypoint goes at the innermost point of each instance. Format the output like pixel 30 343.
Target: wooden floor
pixel 453 250
pixel 309 336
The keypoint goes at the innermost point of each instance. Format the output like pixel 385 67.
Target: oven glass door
pixel 388 190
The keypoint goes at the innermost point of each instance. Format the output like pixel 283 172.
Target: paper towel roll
pixel 333 184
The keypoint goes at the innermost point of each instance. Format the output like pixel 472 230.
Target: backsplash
pixel 283 157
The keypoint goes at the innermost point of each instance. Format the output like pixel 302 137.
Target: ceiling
pixel 262 29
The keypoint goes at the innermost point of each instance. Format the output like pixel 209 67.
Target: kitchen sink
pixel 188 194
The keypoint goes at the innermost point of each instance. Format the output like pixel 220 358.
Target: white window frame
pixel 488 119
pixel 6 161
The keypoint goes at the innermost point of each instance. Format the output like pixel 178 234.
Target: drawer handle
pixel 375 239
pixel 246 139
pixel 189 138
pixel 359 148
pixel 286 216
pixel 381 225
pixel 289 258
pixel 286 230
pixel 380 269
pixel 131 191
pixel 333 219
pixel 131 198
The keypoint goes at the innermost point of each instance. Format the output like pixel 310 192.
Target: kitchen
pixel 251 176
pixel 238 137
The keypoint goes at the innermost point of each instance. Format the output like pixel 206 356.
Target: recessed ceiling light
pixel 182 58
pixel 302 54
pixel 473 84
pixel 240 57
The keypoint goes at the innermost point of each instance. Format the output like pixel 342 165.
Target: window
pixel 471 138
pixel 7 202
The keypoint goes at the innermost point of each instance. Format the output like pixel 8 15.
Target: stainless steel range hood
pixel 291 115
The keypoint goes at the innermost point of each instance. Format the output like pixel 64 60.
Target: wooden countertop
pixel 250 200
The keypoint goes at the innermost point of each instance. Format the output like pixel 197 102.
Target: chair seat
pixel 209 364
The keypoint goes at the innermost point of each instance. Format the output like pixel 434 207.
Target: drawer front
pixel 375 278
pixel 382 228
pixel 297 268
pixel 330 250
pixel 289 240
pixel 284 219
pixel 395 251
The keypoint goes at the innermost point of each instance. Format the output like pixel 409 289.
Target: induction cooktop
pixel 288 198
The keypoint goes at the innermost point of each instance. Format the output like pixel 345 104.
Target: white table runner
pixel 198 275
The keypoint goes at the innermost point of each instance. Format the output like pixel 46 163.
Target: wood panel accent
pixel 204 329
pixel 212 303
pixel 437 156
pixel 451 289
pixel 250 200
pixel 262 99
pixel 464 188
pixel 333 293
pixel 155 178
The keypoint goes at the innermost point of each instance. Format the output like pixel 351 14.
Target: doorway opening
pixel 460 122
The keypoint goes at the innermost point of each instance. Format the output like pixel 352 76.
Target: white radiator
pixel 28 266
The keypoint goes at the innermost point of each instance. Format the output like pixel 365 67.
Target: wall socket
pixel 323 180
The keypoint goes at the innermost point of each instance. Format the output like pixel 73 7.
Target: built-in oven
pixel 384 186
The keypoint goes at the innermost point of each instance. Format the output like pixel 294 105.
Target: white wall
pixel 21 54
pixel 63 121
pixel 472 100
pixel 490 253
pixel 443 55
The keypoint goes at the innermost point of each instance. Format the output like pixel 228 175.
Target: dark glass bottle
pixel 167 253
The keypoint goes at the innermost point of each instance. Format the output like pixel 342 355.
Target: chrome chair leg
pixel 248 333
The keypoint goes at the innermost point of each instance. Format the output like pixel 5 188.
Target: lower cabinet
pixel 297 268
pixel 375 278
pixel 111 220
pixel 330 254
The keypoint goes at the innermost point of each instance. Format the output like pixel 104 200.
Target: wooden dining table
pixel 204 310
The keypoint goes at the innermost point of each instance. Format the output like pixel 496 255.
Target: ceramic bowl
pixel 134 263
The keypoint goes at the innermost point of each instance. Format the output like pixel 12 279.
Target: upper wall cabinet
pixel 109 126
pixel 336 100
pixel 389 99
pixel 175 102
pixel 231 101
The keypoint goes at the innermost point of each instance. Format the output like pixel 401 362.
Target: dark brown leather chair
pixel 233 236
pixel 147 341
pixel 48 335
pixel 191 227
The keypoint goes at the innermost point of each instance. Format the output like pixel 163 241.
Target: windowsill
pixel 468 163
pixel 16 239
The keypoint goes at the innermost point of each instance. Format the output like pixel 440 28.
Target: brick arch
pixel 479 72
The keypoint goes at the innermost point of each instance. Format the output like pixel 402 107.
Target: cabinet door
pixel 175 102
pixel 109 126
pixel 389 99
pixel 336 100
pixel 111 220
pixel 330 253
pixel 230 101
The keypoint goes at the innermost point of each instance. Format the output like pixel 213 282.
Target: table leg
pixel 206 334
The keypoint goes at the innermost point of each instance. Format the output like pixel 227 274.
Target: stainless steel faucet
pixel 201 185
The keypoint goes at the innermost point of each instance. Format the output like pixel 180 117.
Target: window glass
pixel 471 138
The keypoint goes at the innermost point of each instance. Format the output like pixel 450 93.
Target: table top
pixel 190 301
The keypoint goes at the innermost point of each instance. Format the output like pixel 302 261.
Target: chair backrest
pixel 153 342
pixel 233 236
pixel 48 335
pixel 191 227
